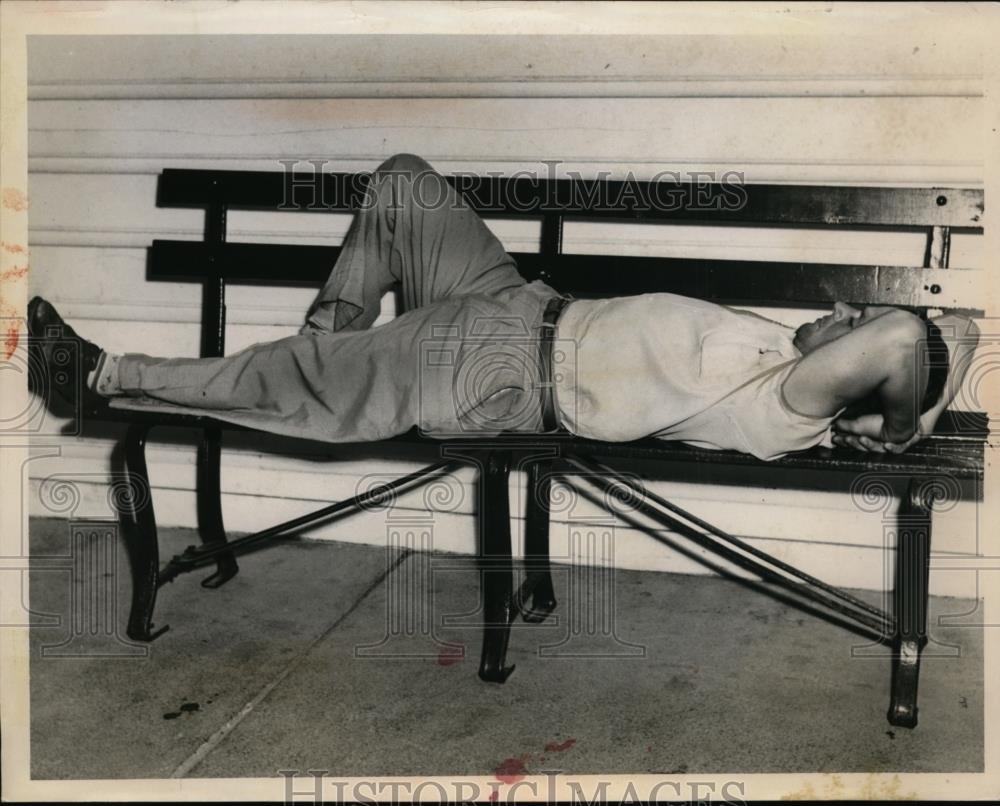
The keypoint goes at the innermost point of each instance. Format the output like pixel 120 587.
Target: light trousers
pixel 461 357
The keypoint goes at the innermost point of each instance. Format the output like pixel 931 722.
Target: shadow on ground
pixel 326 656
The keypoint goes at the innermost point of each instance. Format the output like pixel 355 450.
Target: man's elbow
pixel 897 434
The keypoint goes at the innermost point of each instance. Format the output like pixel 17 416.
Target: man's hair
pixel 937 357
pixel 937 360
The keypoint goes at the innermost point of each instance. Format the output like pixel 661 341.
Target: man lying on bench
pixel 659 364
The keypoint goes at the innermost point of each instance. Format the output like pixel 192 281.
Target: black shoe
pixel 65 358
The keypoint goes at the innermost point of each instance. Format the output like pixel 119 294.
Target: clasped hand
pixel 864 433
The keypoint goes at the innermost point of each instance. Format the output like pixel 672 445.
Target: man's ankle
pixel 103 379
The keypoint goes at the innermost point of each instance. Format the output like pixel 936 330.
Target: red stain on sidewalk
pixel 559 747
pixel 451 654
pixel 512 770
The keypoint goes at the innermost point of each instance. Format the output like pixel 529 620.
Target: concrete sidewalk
pixel 300 662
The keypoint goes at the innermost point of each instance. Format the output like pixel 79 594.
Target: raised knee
pixel 413 181
pixel 409 163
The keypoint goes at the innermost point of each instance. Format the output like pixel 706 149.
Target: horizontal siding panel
pixel 499 65
pixel 812 139
pixel 830 517
pixel 841 545
pixel 120 211
pixel 690 87
pixel 262 467
pixel 110 284
pixel 847 566
pixel 860 173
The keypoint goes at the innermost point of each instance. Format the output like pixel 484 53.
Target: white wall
pixel 106 114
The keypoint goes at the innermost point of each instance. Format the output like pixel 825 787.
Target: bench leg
pixel 138 523
pixel 536 541
pixel 913 546
pixel 209 492
pixel 497 571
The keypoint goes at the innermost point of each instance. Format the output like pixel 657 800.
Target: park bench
pixel 954 455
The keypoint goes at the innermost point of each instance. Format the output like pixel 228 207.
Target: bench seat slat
pixel 592 275
pixel 958 455
pixel 664 200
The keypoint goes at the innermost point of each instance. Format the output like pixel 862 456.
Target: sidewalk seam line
pixel 230 725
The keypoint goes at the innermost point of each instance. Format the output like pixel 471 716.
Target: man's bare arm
pixel 961 335
pixel 877 357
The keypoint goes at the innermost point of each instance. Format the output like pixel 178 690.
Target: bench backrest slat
pixel 730 281
pixel 719 202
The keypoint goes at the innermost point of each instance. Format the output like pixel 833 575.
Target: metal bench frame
pixel 954 452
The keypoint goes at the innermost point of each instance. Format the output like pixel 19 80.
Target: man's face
pixel 841 321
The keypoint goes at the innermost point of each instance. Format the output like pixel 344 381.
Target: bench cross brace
pixel 905 630
pixel 138 521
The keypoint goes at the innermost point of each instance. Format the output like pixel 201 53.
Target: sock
pixel 103 379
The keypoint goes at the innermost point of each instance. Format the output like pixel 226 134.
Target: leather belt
pixel 550 320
